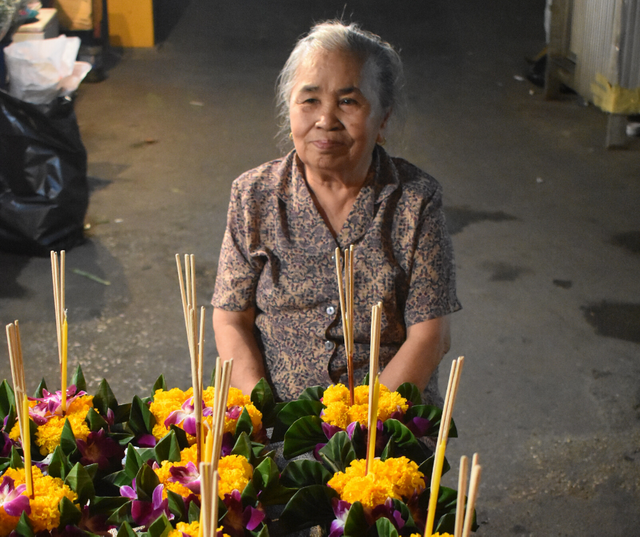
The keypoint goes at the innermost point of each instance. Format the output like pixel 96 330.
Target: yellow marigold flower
pixel 192 529
pixel 390 402
pixel 48 491
pixel 361 394
pixel 164 403
pixel 336 393
pixel 359 413
pixel 7 523
pixel 395 478
pixel 338 412
pixel 235 472
pixel 15 432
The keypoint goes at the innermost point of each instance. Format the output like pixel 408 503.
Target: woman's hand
pixel 235 339
pixel 416 360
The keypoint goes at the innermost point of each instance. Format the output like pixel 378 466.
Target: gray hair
pixel 366 46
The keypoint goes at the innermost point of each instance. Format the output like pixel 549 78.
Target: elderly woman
pixel 276 299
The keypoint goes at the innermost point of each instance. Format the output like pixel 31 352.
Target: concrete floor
pixel 545 224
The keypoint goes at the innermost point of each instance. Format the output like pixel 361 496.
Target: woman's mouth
pixel 326 145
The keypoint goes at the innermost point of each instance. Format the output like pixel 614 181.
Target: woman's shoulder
pixel 268 177
pixel 413 180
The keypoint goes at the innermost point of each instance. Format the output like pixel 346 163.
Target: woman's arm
pixel 416 360
pixel 235 339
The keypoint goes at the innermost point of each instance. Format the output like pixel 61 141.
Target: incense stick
pixel 476 472
pixel 209 500
pixel 344 273
pixel 374 385
pixel 20 398
pixel 462 492
pixel 441 445
pixel 62 327
pixel 195 340
pixel 350 301
pixel 222 395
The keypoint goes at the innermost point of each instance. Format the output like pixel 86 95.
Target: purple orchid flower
pixel 418 426
pixel 352 427
pixel 129 491
pixel 12 499
pixel 238 518
pixel 5 440
pixel 99 448
pixel 144 513
pixel 50 404
pixel 146 440
pixel 329 430
pixel 341 511
pixel 186 416
pixel 188 476
pixel 387 510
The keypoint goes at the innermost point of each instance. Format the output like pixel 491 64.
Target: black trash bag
pixel 44 191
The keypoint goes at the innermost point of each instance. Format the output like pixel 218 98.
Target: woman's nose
pixel 328 118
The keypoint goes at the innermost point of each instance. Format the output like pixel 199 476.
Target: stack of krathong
pixel 147 468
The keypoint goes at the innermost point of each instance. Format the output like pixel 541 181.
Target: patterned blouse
pixel 278 255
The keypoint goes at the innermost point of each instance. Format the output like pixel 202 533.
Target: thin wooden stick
pixel 20 398
pixel 183 293
pixel 63 365
pixel 192 269
pixel 462 492
pixel 374 385
pixel 62 334
pixel 441 445
pixel 351 327
pixel 476 472
pixel 344 273
pixel 221 411
pixel 209 500
pixel 216 383
pixel 55 276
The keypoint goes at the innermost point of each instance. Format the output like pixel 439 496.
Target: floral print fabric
pixel 278 255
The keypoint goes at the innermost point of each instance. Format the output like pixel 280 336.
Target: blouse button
pixel 331 310
pixel 329 345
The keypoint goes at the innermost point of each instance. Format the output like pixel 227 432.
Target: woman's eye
pixel 348 101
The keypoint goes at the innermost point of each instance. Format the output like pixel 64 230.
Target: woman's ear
pixel 383 126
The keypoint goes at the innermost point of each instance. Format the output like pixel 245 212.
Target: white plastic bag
pixel 41 70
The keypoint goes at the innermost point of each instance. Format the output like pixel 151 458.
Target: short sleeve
pixel 432 284
pixel 238 270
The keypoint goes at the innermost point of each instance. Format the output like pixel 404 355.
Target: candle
pixel 373 424
pixel 435 487
pixel 26 446
pixel 63 365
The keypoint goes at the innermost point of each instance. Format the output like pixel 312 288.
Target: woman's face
pixel 336 119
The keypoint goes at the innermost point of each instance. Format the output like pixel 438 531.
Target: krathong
pixel 46 412
pixel 175 407
pixel 43 513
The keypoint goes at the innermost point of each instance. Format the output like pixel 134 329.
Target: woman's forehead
pixel 341 67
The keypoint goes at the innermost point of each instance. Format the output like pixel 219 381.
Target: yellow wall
pixel 131 23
